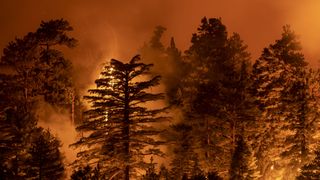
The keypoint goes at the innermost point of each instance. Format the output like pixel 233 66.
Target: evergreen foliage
pixel 46 161
pixel 311 170
pixel 243 162
pixel 34 69
pixel 185 160
pixel 119 130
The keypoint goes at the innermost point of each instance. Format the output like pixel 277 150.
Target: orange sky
pixel 117 28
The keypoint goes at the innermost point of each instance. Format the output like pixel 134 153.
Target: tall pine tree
pixel 119 129
pixel 35 68
pixel 283 95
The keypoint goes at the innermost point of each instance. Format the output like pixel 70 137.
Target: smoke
pixel 118 29
pixel 59 123
pixel 305 22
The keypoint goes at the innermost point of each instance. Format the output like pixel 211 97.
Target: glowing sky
pixel 117 28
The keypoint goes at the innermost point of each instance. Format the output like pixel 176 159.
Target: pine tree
pixel 215 94
pixel 119 129
pixel 173 77
pixel 17 125
pixel 46 160
pixel 243 162
pixel 40 67
pixel 302 107
pixel 200 87
pixel 303 119
pixel 311 170
pixel 270 76
pixel 280 94
pixel 184 160
pixel 165 58
pixel 32 72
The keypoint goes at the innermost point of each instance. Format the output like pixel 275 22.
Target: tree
pixel 312 169
pixel 87 173
pixel 168 63
pixel 199 88
pixel 46 160
pixel 41 68
pixel 151 173
pixel 281 94
pixel 270 77
pixel 184 160
pixel 16 126
pixel 120 128
pixel 175 74
pixel 83 173
pixel 243 162
pixel 34 68
pixel 303 121
pixel 216 101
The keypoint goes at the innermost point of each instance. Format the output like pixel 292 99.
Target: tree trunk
pixel 126 129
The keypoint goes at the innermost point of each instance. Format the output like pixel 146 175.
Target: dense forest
pixel 210 112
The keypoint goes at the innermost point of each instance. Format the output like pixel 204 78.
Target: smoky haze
pixel 118 28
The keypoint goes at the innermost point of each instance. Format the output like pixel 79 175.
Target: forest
pixel 209 112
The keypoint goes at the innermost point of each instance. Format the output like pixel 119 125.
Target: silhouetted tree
pixel 34 68
pixel 119 130
pixel 168 63
pixel 16 127
pixel 174 74
pixel 83 173
pixel 46 160
pixel 40 68
pixel 215 98
pixel 213 176
pixel 87 173
pixel 184 160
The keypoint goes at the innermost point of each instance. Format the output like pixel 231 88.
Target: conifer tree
pixel 243 162
pixel 199 88
pixel 119 130
pixel 40 67
pixel 35 68
pixel 184 160
pixel 302 121
pixel 169 59
pixel 175 74
pixel 270 76
pixel 311 170
pixel 46 160
pixel 215 94
pixel 281 92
